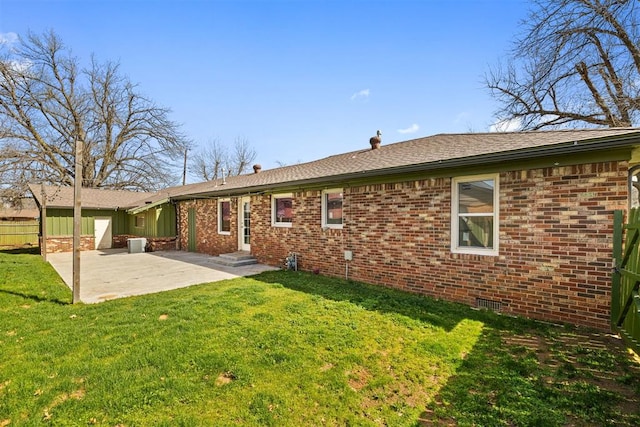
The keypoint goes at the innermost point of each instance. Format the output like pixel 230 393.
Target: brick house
pixel 519 222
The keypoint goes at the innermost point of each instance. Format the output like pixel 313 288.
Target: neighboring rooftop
pixel 25 209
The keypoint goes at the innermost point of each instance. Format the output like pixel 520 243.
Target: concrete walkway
pixel 115 273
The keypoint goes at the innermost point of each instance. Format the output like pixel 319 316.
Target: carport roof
pixel 91 198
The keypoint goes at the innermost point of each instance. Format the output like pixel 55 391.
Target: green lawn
pixel 294 349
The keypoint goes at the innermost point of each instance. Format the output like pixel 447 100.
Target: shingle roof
pixel 28 209
pixel 91 198
pixel 431 152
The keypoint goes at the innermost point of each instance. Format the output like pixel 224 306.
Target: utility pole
pixel 184 168
pixel 77 220
pixel 43 224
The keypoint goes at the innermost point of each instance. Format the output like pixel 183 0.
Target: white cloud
pixel 506 125
pixel 8 38
pixel 22 67
pixel 411 129
pixel 364 93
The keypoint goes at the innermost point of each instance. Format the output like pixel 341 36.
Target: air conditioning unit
pixel 136 245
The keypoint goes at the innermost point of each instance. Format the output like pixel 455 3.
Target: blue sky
pixel 300 80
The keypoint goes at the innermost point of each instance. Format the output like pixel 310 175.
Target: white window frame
pixel 325 224
pixel 220 201
pixel 455 215
pixel 274 198
pixel 139 221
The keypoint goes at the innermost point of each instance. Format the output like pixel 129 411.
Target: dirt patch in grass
pixel 326 367
pixel 225 378
pixel 359 377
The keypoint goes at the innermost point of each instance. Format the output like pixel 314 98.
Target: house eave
pixel 140 209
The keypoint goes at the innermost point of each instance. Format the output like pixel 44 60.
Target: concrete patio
pixel 115 273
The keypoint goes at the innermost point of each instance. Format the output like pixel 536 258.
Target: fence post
pixel 618 225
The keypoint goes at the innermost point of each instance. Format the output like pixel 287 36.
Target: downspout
pixel 348 254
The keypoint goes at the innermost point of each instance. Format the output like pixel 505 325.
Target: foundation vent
pixel 488 304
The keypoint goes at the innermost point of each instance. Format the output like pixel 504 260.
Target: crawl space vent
pixel 488 304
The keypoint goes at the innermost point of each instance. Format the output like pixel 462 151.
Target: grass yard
pixel 294 349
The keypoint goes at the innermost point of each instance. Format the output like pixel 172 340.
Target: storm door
pixel 245 224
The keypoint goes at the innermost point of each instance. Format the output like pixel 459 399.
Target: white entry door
pixel 244 223
pixel 102 230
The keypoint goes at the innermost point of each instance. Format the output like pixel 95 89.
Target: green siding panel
pixel 60 221
pixel 119 223
pixel 166 221
pixel 159 221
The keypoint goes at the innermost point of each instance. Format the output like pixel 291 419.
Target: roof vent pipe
pixel 376 140
pixel 257 168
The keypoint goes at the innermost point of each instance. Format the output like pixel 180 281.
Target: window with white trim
pixel 282 210
pixel 139 221
pixel 474 214
pixel 332 208
pixel 224 216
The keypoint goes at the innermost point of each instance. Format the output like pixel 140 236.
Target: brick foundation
pixel 87 243
pixel 120 240
pixel 208 240
pixel 555 253
pixel 153 243
pixel 161 244
pixel 65 243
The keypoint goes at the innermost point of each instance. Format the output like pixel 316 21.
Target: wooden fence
pixel 625 302
pixel 18 233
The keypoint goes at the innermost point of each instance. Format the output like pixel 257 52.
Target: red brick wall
pixel 555 253
pixel 153 243
pixel 161 244
pixel 208 241
pixel 120 240
pixel 65 243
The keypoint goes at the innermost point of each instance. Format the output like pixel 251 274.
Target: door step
pixel 235 259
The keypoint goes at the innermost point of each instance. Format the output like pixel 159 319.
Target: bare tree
pixel 47 103
pixel 242 157
pixel 208 163
pixel 215 159
pixel 578 64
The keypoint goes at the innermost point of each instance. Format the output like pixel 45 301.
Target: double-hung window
pixel 332 208
pixel 224 216
pixel 282 210
pixel 474 215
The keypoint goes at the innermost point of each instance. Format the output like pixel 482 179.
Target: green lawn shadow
pixel 438 313
pixel 519 371
pixel 32 250
pixel 36 298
